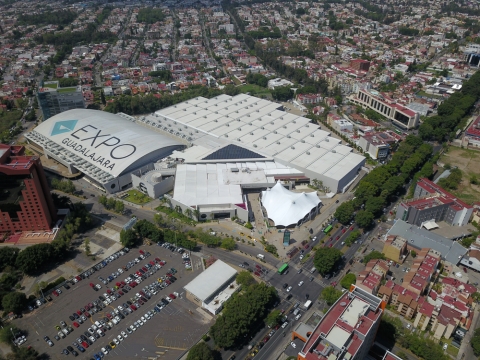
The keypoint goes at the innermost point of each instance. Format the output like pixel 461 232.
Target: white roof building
pixel 288 208
pixel 213 287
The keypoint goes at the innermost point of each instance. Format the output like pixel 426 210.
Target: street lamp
pixel 14 337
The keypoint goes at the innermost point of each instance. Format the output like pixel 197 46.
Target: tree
pixel 102 199
pixel 14 302
pixel 413 253
pixel 273 318
pixel 364 219
pixel 373 255
pixel 330 295
pixel 128 238
pixel 102 97
pixel 325 259
pixel 231 90
pixel 245 279
pixel 87 247
pixel 344 212
pixel 228 244
pixel 119 206
pixel 111 203
pixel 8 255
pixel 348 280
pixel 200 351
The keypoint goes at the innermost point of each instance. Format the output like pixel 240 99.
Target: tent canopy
pixel 286 207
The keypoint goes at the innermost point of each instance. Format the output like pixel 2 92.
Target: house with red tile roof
pixel 371 278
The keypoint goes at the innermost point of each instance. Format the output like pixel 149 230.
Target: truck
pixel 260 256
pixel 307 304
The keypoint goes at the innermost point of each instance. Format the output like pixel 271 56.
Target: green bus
pixel 283 268
pixel 328 229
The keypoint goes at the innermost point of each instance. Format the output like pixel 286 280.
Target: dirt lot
pixel 467 161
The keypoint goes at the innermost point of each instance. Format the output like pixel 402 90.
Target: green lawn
pixel 68 89
pixel 51 86
pixel 254 89
pixel 137 197
pixel 9 119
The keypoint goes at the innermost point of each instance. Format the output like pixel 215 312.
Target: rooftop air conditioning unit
pixel 278 142
pixel 264 138
pixel 254 145
pixel 251 133
pixel 308 152
pixel 298 131
pixel 293 147
pixel 334 151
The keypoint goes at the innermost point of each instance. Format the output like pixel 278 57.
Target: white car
pixel 140 322
pixel 300 283
pixel 98 286
pixel 119 337
pixel 143 319
pixel 314 238
pixel 284 325
pixel 293 344
pixel 124 334
pixel 120 271
pixel 104 350
pixel 301 257
pixel 100 332
pixel 289 288
pixel 298 316
pixel 168 299
pixel 147 316
pixel 120 307
pixel 92 338
pixel 445 346
pixel 116 341
pixel 133 327
pixel 115 321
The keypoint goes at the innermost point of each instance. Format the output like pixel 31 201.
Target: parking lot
pixel 168 333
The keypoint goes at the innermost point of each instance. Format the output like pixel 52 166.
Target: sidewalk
pixel 468 336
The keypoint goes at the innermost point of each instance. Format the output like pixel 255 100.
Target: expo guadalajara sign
pixel 95 140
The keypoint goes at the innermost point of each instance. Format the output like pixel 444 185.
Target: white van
pixel 260 256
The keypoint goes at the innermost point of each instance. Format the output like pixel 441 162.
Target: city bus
pixel 283 268
pixel 328 229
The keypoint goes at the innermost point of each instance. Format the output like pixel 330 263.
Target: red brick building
pixel 359 64
pixel 25 200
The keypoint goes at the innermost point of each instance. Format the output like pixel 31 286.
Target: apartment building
pixel 398 114
pixel 404 301
pixel 371 278
pixel 432 203
pixel 347 330
pixel 395 248
pixel 377 144
pixel 53 100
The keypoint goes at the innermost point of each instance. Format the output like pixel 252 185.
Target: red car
pixel 343 231
pixel 84 344
pixel 120 292
pixel 79 312
pixel 163 263
pixel 330 245
pixel 338 237
pixel 334 283
pixel 145 269
pixel 465 269
pixel 256 273
pixel 123 283
pixel 91 305
pixel 109 316
pixel 55 293
pixel 168 282
pixel 76 324
pixel 351 227
pixel 87 307
pixel 157 260
pixel 258 266
pixel 78 278
pixel 118 284
pixel 140 301
pixel 307 246
pixel 87 314
pixel 109 292
pixel 152 263
pixel 92 285
pixel 141 252
pixel 133 307
pixel 172 296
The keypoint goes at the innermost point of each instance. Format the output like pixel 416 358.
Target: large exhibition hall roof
pixel 260 126
pixel 104 142
pixel 286 207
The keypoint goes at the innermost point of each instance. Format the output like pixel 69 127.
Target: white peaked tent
pixel 286 207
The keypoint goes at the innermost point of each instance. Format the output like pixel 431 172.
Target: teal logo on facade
pixel 61 127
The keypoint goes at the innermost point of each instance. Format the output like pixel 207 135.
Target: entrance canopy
pixel 286 207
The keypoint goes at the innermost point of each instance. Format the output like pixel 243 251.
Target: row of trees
pixel 384 183
pixel 243 314
pixel 65 186
pixel 134 105
pixel 61 17
pixel 452 112
pixel 112 204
